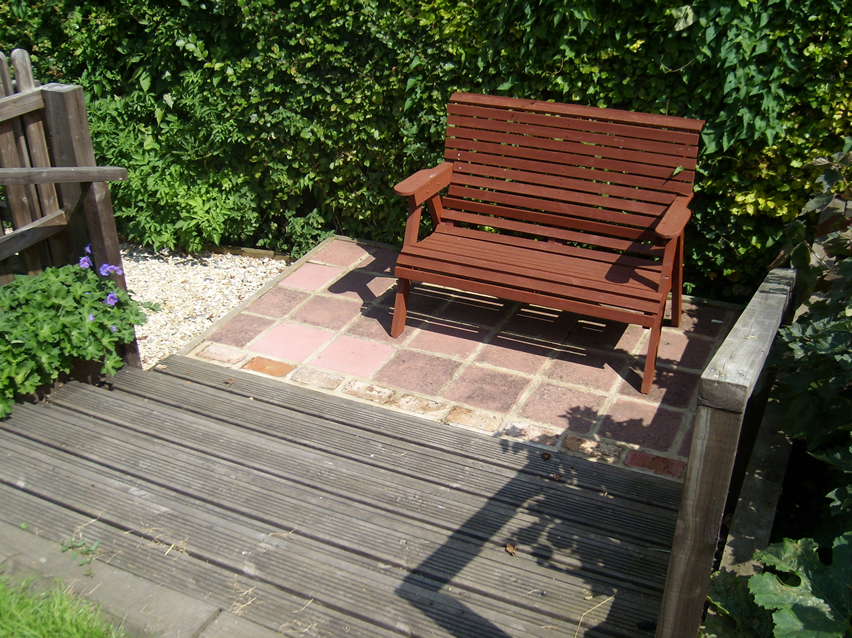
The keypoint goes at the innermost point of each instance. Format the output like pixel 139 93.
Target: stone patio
pixel 561 381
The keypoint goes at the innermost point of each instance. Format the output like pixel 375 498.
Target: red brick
pixel 657 464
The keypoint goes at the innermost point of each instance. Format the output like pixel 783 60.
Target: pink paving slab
pixel 292 342
pixel 350 355
pixel 312 276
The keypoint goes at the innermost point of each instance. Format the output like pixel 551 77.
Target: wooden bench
pixel 568 207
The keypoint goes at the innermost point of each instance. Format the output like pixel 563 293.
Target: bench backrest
pixel 573 173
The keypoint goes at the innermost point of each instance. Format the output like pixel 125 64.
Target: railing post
pixel 724 391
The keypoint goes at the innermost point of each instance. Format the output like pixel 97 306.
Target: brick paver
pixel 562 381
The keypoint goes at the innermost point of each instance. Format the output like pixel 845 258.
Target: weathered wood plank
pixel 19 199
pixel 724 391
pixel 731 375
pixel 483 578
pixel 32 233
pixel 15 105
pixel 143 553
pixel 446 439
pixel 398 490
pixel 34 145
pixel 61 175
pixel 439 469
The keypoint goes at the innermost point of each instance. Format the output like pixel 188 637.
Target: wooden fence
pixel 56 197
pixel 726 387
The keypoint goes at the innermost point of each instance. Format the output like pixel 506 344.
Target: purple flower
pixel 111 299
pixel 88 249
pixel 85 262
pixel 106 269
pixel 112 328
pixel 91 317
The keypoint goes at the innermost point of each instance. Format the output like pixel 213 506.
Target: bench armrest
pixel 674 219
pixel 426 183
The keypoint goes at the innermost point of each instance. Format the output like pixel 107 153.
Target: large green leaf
pixel 810 599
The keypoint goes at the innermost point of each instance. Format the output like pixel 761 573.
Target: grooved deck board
pixel 386 523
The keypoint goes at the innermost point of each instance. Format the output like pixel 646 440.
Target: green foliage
pixel 811 599
pixel 50 321
pixel 46 615
pixel 741 617
pixel 274 124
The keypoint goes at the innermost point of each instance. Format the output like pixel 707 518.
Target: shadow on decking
pixel 384 523
pixel 617 602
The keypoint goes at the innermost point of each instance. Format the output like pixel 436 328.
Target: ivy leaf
pixel 820 605
pixel 684 16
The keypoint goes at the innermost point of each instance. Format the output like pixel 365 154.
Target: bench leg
pixel 677 284
pixel 651 358
pixel 400 310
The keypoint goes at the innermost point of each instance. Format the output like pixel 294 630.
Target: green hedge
pixel 275 123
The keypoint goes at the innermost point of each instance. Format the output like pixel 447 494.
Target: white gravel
pixel 193 291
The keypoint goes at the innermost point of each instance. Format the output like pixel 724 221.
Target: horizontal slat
pixel 589 193
pixel 32 233
pixel 575 165
pixel 19 104
pixel 523 258
pixel 538 127
pixel 489 265
pixel 559 234
pixel 527 297
pixel 553 206
pixel 613 115
pixel 578 148
pixel 62 175
pixel 599 124
pixel 592 180
pixel 550 220
pixel 557 194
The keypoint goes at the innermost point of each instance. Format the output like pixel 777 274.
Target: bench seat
pixel 568 207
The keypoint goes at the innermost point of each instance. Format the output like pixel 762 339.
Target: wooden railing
pixel 56 196
pixel 726 387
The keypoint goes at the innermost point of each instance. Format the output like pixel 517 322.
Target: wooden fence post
pixel 67 127
pixel 724 391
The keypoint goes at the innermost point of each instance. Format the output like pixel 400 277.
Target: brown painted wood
pixel 570 207
pixel 669 136
pixel 555 108
pixel 583 166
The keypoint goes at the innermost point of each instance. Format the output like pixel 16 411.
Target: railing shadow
pixel 554 539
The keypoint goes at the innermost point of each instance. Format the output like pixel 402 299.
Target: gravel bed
pixel 194 291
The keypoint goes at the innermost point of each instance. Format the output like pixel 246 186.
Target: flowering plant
pixel 50 321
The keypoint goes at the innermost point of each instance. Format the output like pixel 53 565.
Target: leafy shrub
pixel 62 316
pixel 807 585
pixel 274 124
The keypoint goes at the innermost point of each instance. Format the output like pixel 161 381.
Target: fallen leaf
pixel 510 549
pixel 229 382
pixel 545 456
pixel 557 477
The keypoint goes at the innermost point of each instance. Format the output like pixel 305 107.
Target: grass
pixel 24 614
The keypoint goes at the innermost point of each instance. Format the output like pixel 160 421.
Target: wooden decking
pixel 318 516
